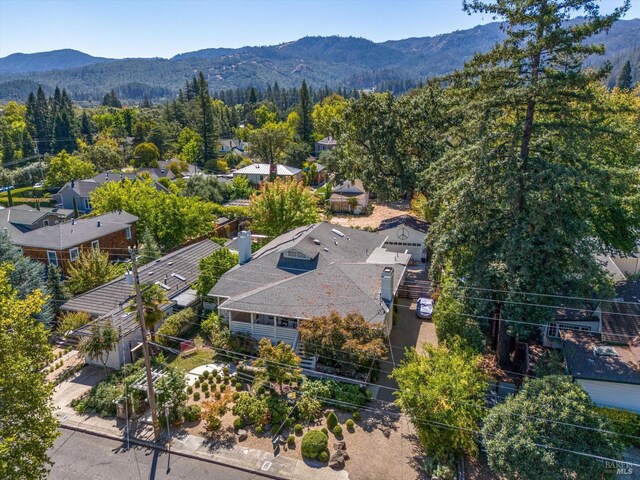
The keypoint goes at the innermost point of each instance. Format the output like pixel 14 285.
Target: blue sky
pixel 163 28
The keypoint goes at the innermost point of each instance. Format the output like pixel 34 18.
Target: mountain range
pixel 333 61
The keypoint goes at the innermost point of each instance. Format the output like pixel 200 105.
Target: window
pixel 52 257
pixel 95 244
pixel 555 328
pixel 127 232
pixel 296 254
pixel 45 223
pixel 73 253
pixel 87 205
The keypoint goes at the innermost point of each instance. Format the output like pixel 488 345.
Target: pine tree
pixel 305 126
pixel 55 288
pixel 151 250
pixel 87 128
pixel 64 124
pixel 111 100
pixel 530 157
pixel 37 117
pixel 625 82
pixel 145 102
pixel 208 124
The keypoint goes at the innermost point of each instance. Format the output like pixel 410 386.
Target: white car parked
pixel 424 308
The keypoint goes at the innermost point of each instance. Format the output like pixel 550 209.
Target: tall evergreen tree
pixel 57 292
pixel 305 126
pixel 625 82
pixel 208 124
pixel 87 128
pixel 64 124
pixel 38 122
pixel 111 100
pixel 531 186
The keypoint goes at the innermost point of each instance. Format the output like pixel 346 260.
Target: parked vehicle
pixel 38 185
pixel 7 188
pixel 424 308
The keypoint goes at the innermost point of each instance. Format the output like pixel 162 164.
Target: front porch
pixel 260 326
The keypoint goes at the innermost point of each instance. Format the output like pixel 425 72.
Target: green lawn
pixel 202 357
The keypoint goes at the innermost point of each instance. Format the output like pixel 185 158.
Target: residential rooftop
pixel 264 169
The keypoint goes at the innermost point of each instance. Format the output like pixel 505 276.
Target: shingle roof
pixel 584 362
pixel 338 276
pixel 84 187
pixel 327 141
pixel 69 234
pixel 407 220
pixel 108 298
pixel 263 169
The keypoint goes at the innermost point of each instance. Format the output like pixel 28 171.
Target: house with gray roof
pixel 174 272
pixel 61 243
pixel 258 172
pixel 81 189
pixel 25 218
pixel 308 272
pixel 325 145
pixel 610 374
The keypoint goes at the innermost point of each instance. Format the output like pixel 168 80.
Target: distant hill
pixel 334 61
pixel 44 61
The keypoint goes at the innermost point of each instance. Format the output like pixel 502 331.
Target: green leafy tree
pixel 104 155
pixel 528 434
pixel 212 268
pixel 327 116
pixel 241 188
pixel 215 330
pixel 102 340
pixel 145 155
pixel 625 81
pixel 280 206
pixel 71 321
pixel 170 218
pixel 443 393
pixel 296 154
pixel 278 363
pixel 153 298
pixel 91 269
pixel 64 167
pixel 270 142
pixel 536 146
pixel 207 188
pixel 170 393
pixel 28 427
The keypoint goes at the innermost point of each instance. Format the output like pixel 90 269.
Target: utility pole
pixel 145 348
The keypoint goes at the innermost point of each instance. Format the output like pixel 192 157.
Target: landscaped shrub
pixel 323 456
pixel 332 421
pixel 212 386
pixel 225 370
pixel 291 440
pixel 357 416
pixel 205 374
pixel 218 378
pixel 205 387
pixel 212 423
pixel 349 424
pixel 173 326
pixel 235 396
pixel 624 422
pixel 218 395
pixel 196 396
pixel 223 387
pixel 197 384
pixel 239 386
pixel 192 413
pixel 337 430
pixel 207 394
pixel 260 390
pixel 259 430
pixel 225 380
pixel 239 423
pixel 345 393
pixel 189 390
pixel 313 443
pixel 325 431
pixel 298 429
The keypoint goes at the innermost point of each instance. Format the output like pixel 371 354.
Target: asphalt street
pixel 80 456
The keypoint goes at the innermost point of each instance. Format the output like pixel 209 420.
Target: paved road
pixel 79 456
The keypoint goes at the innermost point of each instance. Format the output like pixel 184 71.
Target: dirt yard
pixel 381 211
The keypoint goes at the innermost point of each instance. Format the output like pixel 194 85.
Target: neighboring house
pixel 24 218
pixel 324 145
pixel 81 189
pixel 258 172
pixel 61 243
pixel 308 272
pixel 321 173
pixel 174 272
pixel 157 173
pixel 610 374
pixel 620 268
pixel 406 233
pixel 350 197
pixel 226 227
pixel 233 145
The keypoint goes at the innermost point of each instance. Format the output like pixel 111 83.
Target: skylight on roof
pixel 179 277
pixel 337 232
pixel 163 285
pixel 605 351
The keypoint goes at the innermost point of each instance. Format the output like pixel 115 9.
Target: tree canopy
pixel 528 435
pixel 280 206
pixel 28 427
pixel 91 269
pixel 212 268
pixel 64 167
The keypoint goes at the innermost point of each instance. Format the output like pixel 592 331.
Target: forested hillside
pixel 337 62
